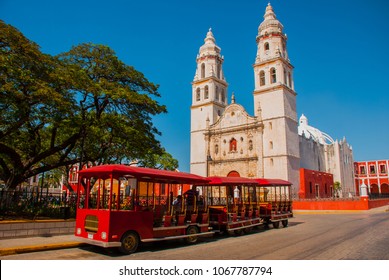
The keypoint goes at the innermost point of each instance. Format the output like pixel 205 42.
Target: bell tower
pixel 209 99
pixel 275 97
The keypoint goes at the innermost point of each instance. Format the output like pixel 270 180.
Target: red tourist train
pixel 122 206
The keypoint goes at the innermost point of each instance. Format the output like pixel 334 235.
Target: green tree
pixel 83 105
pixel 337 189
pixel 159 161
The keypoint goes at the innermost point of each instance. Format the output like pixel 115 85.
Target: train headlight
pixel 103 235
pixel 78 231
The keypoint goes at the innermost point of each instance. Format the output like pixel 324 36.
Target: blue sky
pixel 339 50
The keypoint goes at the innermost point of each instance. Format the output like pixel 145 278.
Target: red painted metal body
pixel 105 214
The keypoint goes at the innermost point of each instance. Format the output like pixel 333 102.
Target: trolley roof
pixel 272 182
pixel 151 174
pixel 218 180
pixel 228 181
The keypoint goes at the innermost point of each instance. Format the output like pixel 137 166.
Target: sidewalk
pixel 41 243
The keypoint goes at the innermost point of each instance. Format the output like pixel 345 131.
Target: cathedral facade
pixel 225 139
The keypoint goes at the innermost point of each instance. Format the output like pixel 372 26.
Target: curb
pixel 37 248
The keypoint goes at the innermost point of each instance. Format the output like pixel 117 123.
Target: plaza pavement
pixel 13 246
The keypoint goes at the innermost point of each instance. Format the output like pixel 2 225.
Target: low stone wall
pixel 347 204
pixel 16 229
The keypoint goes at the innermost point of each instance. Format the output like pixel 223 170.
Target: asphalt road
pixel 356 236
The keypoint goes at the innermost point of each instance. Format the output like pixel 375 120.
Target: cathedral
pixel 227 141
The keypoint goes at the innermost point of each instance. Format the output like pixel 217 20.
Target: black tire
pixel 285 223
pixel 248 230
pixel 192 230
pixel 276 224
pixel 130 243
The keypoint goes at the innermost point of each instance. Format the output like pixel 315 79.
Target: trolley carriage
pixel 237 204
pixel 279 202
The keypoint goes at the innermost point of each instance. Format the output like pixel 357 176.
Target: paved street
pixel 356 236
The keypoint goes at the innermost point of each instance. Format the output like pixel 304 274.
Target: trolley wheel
pixel 192 230
pixel 130 242
pixel 247 230
pixel 285 223
pixel 276 224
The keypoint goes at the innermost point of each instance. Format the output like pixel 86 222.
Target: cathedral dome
pixel 311 132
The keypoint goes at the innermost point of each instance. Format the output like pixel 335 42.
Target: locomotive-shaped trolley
pixel 122 206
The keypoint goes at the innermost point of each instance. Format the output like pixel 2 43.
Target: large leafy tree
pixel 83 105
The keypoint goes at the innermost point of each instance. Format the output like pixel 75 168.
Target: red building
pixel 374 174
pixel 315 184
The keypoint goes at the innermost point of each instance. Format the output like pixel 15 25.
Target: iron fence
pixel 34 205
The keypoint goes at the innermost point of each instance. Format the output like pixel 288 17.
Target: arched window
pixel 251 145
pixel 216 149
pixel 233 145
pixel 223 96
pixel 206 92
pixel 290 80
pixel 198 94
pixel 262 78
pixel 267 46
pixel 273 75
pixel 202 71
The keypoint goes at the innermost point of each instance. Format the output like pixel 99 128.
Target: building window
pixel 271 145
pixel 267 46
pixel 372 169
pixel 203 71
pixel 382 168
pixel 206 92
pixel 217 93
pixel 251 145
pixel 223 96
pixel 233 145
pixel 290 80
pixel 198 94
pixel 262 78
pixel 270 125
pixel 216 149
pixel 362 170
pixel 273 75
